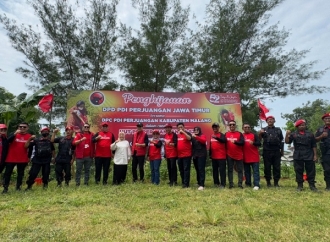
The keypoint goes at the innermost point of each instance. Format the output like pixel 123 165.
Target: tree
pixel 238 51
pixel 77 52
pixel 311 112
pixel 152 59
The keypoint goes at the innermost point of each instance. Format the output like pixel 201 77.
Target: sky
pixel 307 21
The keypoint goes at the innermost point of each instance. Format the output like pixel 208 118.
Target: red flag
pixel 262 110
pixel 46 103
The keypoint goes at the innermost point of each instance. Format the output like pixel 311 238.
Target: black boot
pixel 5 190
pixel 300 187
pixel 276 184
pixel 327 186
pixel 268 183
pixel 18 187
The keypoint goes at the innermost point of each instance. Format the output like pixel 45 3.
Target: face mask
pixel 45 134
pixel 80 108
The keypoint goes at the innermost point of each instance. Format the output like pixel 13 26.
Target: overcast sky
pixel 308 21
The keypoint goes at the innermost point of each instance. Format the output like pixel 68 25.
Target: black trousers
pixel 300 166
pixel 61 168
pixel 272 159
pixel 119 174
pixel 219 170
pixel 239 166
pixel 138 161
pixel 102 163
pixel 326 167
pixel 9 170
pixel 184 164
pixel 2 166
pixel 195 162
pixel 172 170
pixel 34 171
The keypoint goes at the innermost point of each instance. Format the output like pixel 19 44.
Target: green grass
pixel 145 212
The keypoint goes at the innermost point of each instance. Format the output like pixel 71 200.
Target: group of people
pixel 227 151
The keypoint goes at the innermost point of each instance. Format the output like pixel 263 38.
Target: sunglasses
pixel 247 127
pixel 105 126
pixel 22 127
pixel 231 124
pixel 3 130
pixel 87 127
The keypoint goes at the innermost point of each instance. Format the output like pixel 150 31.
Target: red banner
pixel 123 110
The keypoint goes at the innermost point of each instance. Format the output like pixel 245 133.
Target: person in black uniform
pixel 323 136
pixel 44 153
pixel 3 146
pixel 273 146
pixel 304 154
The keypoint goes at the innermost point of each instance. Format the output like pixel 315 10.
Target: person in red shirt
pixel 139 151
pixel 103 140
pixel 184 149
pixel 218 155
pixel 154 157
pixel 171 154
pixel 251 157
pixel 234 147
pixel 17 155
pixel 84 153
pixel 3 146
pixel 199 156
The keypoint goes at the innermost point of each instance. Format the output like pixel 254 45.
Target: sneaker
pixel 313 189
pixel 269 184
pixel 5 190
pixel 256 188
pixel 222 187
pixel 200 188
pixel 299 189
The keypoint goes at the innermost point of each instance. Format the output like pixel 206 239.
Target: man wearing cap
pixel 304 154
pixel 103 141
pixel 218 155
pixel 323 136
pixel 171 154
pixel 273 147
pixel 3 146
pixel 65 155
pixel 139 151
pixel 84 153
pixel 44 153
pixel 184 149
pixel 234 148
pixel 154 156
pixel 251 157
pixel 17 155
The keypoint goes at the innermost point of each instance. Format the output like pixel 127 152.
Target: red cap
pixel 326 115
pixel 44 129
pixel 3 126
pixel 299 122
pixel 270 117
pixel 69 127
pixel 104 123
pixel 155 131
pixel 168 126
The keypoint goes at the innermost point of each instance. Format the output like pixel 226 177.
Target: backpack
pixel 43 148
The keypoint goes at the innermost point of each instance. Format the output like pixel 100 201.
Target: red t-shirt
pixel 17 153
pixel 102 147
pixel 218 149
pixel 233 150
pixel 170 150
pixel 250 151
pixel 184 146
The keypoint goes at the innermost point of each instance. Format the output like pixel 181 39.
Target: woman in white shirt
pixel 122 151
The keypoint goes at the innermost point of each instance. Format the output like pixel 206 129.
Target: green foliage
pixel 76 52
pixel 310 111
pixel 153 58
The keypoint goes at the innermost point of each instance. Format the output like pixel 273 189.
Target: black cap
pixel 139 125
pixel 215 125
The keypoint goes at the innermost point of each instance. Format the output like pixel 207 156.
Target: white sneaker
pixel 256 188
pixel 200 188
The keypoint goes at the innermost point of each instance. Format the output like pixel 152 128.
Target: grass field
pixel 145 212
